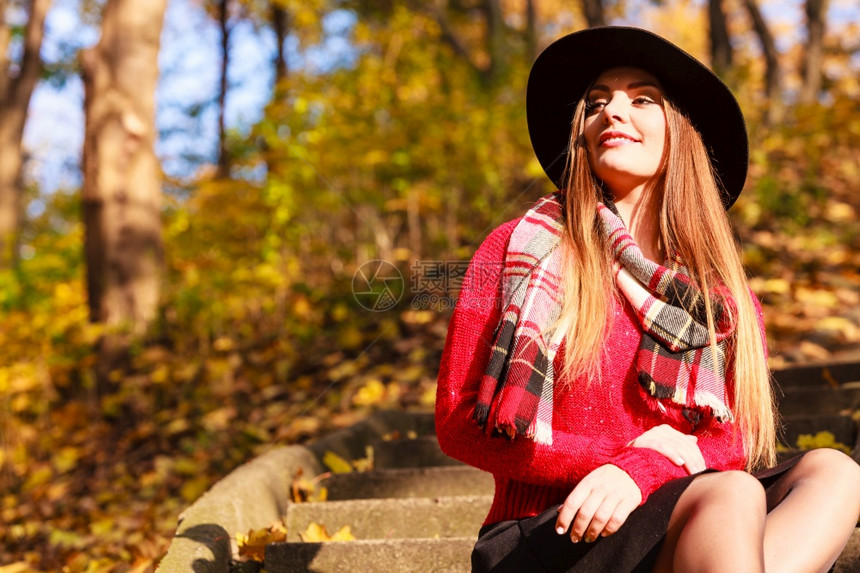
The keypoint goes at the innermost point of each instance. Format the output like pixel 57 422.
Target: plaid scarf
pixel 674 360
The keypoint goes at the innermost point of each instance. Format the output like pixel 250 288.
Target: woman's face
pixel 625 128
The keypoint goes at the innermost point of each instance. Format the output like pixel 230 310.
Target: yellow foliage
pixel 823 439
pixel 194 487
pixel 66 459
pixel 19 567
pixel 847 330
pixel 816 297
pixel 372 393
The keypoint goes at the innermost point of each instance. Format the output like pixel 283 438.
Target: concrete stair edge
pixel 818 400
pixel 393 518
pixel 410 555
pixel 823 373
pixel 205 538
pixel 435 481
pixel 449 555
pixel 252 496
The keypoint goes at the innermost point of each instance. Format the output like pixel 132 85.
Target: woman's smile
pixel 615 139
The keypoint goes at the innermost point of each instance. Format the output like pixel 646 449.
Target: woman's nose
pixel 615 109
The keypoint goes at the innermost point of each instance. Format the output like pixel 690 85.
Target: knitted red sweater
pixel 592 426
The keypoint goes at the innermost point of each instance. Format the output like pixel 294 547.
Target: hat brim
pixel 565 69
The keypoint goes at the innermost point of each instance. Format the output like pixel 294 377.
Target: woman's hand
pixel 599 504
pixel 681 449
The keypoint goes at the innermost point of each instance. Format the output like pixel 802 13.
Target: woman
pixel 618 402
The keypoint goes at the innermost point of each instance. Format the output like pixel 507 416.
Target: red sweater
pixel 592 426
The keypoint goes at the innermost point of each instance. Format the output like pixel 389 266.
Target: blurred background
pixel 227 225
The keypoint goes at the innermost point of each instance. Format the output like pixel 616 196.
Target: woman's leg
pixel 719 522
pixel 813 510
pixel 717 525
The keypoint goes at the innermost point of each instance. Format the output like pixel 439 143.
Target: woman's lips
pixel 616 139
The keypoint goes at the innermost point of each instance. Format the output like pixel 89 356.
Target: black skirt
pixel 532 544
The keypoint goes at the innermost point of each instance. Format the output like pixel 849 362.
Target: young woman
pixel 606 360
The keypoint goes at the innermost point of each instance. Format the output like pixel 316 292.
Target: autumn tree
pixel 122 177
pixel 18 79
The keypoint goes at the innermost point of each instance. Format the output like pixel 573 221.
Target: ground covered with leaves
pixel 98 486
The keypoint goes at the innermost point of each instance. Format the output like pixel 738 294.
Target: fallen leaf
pixel 336 463
pixel 303 489
pixel 316 533
pixel 253 544
pixel 370 394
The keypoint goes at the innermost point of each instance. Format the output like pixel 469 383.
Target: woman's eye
pixel 593 106
pixel 643 100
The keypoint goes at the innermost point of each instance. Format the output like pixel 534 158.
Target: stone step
pixel 420 452
pixel 421 555
pixel 456 516
pixel 449 555
pixel 409 482
pixel 819 400
pixel 818 374
pixel 842 426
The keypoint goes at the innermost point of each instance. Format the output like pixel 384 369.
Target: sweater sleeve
pixel 464 360
pixel 721 445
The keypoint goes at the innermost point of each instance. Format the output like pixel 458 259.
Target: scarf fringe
pixel 543 433
pixel 480 414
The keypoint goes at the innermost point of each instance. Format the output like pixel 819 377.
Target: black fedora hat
pixel 564 70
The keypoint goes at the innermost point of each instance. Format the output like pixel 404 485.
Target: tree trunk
pixel 594 13
pixel 531 30
pixel 223 23
pixel 15 92
pixel 721 47
pixel 281 24
pixel 122 187
pixel 816 14
pixel 496 45
pixel 771 56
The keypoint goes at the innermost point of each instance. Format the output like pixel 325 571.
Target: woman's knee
pixel 832 467
pixel 729 487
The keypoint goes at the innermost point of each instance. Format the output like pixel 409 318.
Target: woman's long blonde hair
pixel 694 224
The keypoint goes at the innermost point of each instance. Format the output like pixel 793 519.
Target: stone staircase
pixel 418 510
pixel 414 519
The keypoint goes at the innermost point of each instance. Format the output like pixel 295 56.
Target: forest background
pixel 207 285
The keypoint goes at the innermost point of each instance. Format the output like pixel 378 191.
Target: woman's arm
pixel 467 351
pixel 650 465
